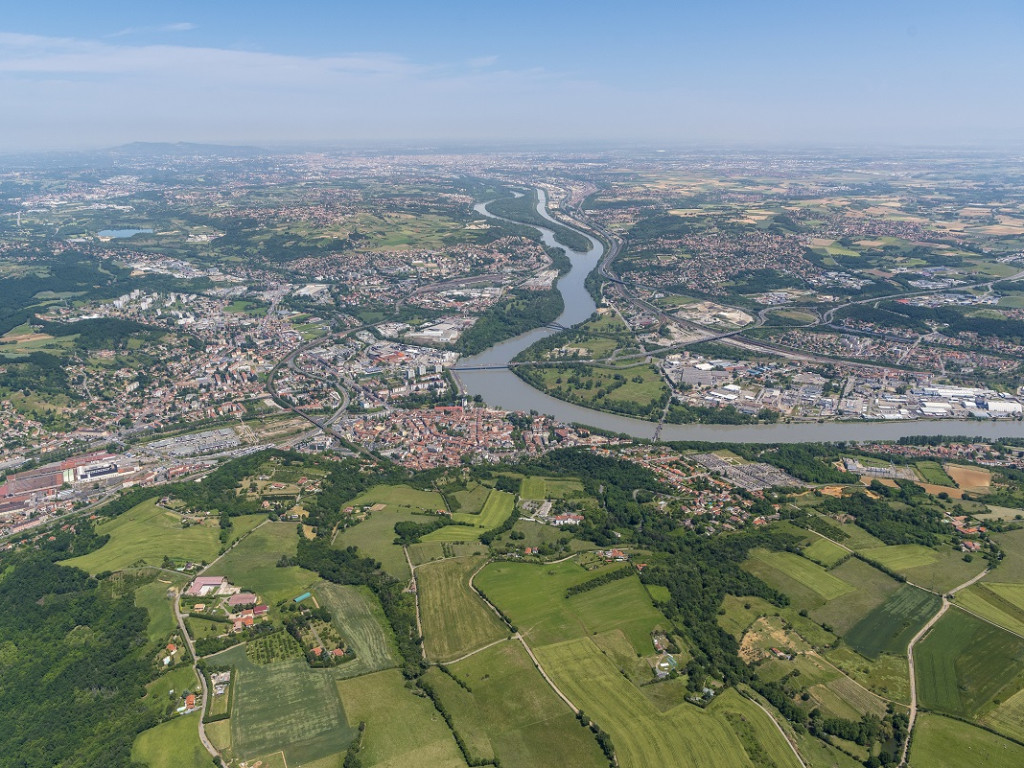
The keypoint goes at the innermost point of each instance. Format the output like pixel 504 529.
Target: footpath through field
pixel 910 659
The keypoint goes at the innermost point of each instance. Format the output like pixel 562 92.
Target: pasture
pixel 1008 717
pixel 375 538
pixel 807 584
pixel 857 537
pixel 1011 569
pixel 533 597
pixel 901 557
pixel 642 735
pixel 872 587
pixel 889 627
pixel 495 511
pixel 932 473
pixel 472 499
pixel 964 663
pixel 285 705
pixel 153 597
pixel 455 621
pixel 174 744
pixel 887 676
pixel 943 743
pixel 511 713
pixel 253 564
pixel 402 729
pixel 400 497
pixel 533 488
pixel 1002 604
pixel 145 534
pixel 938 570
pixel 824 552
pixel 357 615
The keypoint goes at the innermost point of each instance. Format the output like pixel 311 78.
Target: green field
pixel 511 712
pixel 253 564
pixel 964 663
pixel 807 584
pixel 174 744
pixel 496 510
pixel 398 497
pixel 872 587
pixel 178 678
pixel 402 729
pixel 375 537
pixel 472 499
pixel 533 597
pixel 949 570
pixel 1011 568
pixel 932 472
pixel 825 552
pixel 359 618
pixel 285 705
pixel 144 535
pixel 890 626
pixel 642 735
pixel 153 597
pixel 943 743
pixel 901 557
pixel 1008 717
pixel 455 621
pixel 857 537
pixel 887 676
pixel 999 603
pixel 533 488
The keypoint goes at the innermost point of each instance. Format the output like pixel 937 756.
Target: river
pixel 502 388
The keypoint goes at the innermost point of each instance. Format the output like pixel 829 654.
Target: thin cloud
pixel 180 26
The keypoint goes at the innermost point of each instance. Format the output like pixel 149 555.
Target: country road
pixel 910 659
pixel 202 679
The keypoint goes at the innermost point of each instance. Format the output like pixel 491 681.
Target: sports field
pixel 253 564
pixel 871 588
pixel 510 712
pixel 965 663
pixel 146 533
pixel 889 627
pixel 285 705
pixel 999 603
pixel 359 618
pixel 642 735
pixel 174 744
pixel 807 584
pixel 402 729
pixel 455 621
pixel 533 597
pixel 943 743
pixel 825 552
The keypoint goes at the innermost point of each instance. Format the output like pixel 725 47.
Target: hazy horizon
pixel 747 74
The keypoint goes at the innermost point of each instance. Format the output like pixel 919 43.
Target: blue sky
pixel 756 73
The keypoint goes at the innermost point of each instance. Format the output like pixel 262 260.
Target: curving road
pixel 214 753
pixel 910 658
